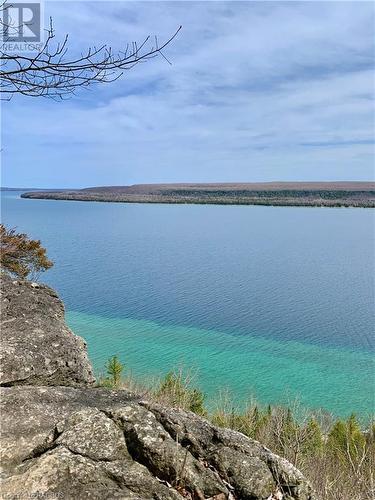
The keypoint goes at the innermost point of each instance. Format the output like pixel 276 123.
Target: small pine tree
pixel 289 427
pixel 337 437
pixel 269 411
pixel 346 440
pixel 256 420
pixel 357 440
pixel 114 370
pixel 196 404
pixel 313 442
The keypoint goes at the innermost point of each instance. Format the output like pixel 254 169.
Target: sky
pixel 257 91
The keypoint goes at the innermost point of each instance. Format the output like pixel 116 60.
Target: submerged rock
pixel 62 438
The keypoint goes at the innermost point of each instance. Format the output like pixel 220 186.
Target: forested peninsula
pixel 324 194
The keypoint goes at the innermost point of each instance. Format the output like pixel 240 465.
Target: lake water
pixel 272 302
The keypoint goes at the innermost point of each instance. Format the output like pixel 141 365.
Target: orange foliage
pixel 21 256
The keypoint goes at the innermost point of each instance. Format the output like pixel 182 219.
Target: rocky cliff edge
pixel 61 437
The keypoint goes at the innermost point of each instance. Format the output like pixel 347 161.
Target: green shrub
pixel 175 390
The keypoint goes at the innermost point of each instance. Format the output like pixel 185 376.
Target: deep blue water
pixel 219 285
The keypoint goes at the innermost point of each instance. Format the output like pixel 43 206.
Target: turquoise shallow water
pixel 271 371
pixel 269 302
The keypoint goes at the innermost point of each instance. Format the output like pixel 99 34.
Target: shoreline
pixel 306 194
pixel 291 203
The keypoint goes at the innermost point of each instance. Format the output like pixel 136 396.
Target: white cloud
pixel 253 87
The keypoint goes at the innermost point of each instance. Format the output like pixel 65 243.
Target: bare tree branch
pixel 51 73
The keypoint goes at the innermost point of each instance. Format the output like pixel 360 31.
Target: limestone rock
pixel 95 443
pixel 37 347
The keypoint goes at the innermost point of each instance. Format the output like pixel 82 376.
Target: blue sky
pixel 258 91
